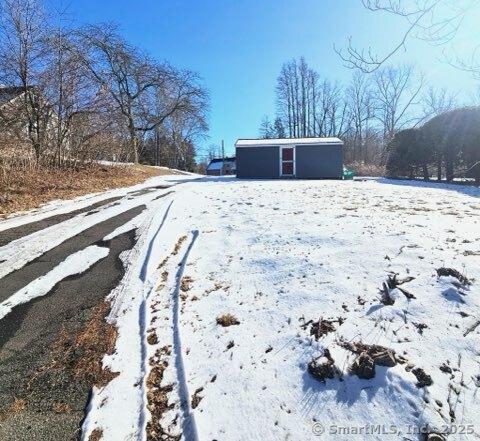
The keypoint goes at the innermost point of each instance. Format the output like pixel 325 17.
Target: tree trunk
pixel 449 170
pixel 426 175
pixel 133 141
pixel 439 170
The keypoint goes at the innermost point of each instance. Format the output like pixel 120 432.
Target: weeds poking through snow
pixel 322 327
pixel 368 356
pixel 227 320
pixel 96 435
pixel 423 379
pixel 385 296
pixel 393 282
pixel 446 272
pixel 196 398
pixel 323 367
pixel 186 283
pixel 363 367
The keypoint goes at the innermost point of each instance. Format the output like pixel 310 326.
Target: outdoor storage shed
pixel 304 158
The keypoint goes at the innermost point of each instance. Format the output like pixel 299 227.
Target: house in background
pixel 304 158
pixel 221 167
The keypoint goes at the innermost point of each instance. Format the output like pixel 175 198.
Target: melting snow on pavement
pixel 266 310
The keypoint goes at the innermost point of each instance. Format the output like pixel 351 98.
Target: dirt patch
pixel 227 320
pixel 30 187
pixel 80 354
pixel 152 338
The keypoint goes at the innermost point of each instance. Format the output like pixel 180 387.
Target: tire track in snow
pixel 163 306
pixel 189 425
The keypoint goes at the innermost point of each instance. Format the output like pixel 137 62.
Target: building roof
pixel 217 163
pixel 286 141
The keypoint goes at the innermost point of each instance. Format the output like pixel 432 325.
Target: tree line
pixel 446 145
pixel 366 113
pixel 85 93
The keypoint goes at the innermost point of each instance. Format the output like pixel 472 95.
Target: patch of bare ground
pixel 80 354
pixel 227 320
pixel 24 188
pixel 157 396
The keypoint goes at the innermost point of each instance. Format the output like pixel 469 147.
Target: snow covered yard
pixel 299 266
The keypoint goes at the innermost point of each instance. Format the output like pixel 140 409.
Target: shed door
pixel 287 159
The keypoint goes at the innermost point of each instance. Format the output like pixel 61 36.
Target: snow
pixel 76 263
pixel 272 253
pixel 17 253
pixel 119 408
pixel 276 254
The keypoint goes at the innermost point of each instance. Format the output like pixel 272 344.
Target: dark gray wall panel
pixel 319 161
pixel 257 162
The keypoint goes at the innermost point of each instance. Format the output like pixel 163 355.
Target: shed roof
pixel 286 141
pixel 217 163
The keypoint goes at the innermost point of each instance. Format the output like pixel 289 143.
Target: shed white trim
pixel 286 141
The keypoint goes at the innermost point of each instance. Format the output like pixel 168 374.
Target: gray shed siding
pixel 258 162
pixel 319 161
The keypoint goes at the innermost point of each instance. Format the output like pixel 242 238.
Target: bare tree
pixel 361 105
pixel 266 129
pixel 396 91
pixel 23 50
pixel 436 101
pixel 434 21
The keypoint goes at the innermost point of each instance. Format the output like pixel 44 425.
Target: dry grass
pixel 360 168
pixel 17 405
pixel 81 354
pixel 29 187
pixel 61 407
pixel 157 397
pixel 227 320
pixel 96 435
pixel 186 283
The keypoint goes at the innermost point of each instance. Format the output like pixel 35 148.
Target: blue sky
pixel 238 46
